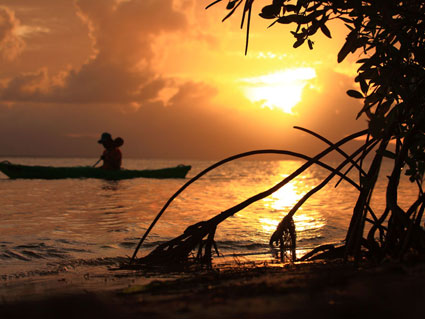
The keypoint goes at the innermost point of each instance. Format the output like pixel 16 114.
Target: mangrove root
pixel 286 239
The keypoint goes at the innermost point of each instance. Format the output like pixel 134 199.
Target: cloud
pixel 121 68
pixel 121 85
pixel 11 45
pixel 191 125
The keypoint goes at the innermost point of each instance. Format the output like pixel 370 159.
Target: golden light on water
pixel 269 224
pixel 285 197
pixel 304 221
pixel 281 89
pixel 283 200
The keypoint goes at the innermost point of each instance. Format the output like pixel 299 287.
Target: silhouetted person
pixel 111 156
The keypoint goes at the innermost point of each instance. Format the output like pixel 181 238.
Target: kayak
pixel 48 172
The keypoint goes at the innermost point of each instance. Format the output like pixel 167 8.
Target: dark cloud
pixel 28 86
pixel 11 45
pixel 117 89
pixel 190 126
pixel 120 70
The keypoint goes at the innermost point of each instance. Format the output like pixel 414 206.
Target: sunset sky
pixel 167 76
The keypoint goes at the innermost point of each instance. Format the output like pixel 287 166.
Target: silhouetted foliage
pixel 389 37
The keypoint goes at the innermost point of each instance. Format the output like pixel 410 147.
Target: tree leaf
pixel 213 3
pixel 365 109
pixel 272 24
pixel 231 12
pixel 313 28
pixel 373 98
pixel 310 44
pixel 266 16
pixel 363 85
pixel 377 127
pixel 248 23
pixel 349 26
pixel 247 7
pixel 293 18
pixel 343 52
pixel 270 12
pixel 231 4
pixel 346 20
pixel 325 31
pixel 314 7
pixel 347 47
pixel 290 8
pixel 385 106
pixel 355 94
pixel 298 42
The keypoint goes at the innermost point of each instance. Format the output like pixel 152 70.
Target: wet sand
pixel 305 290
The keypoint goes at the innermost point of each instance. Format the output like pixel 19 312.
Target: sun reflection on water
pixel 285 197
pixel 283 200
pixel 268 224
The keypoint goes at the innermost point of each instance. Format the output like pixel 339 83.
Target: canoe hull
pixel 14 171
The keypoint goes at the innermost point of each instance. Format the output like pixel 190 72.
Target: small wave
pixel 57 255
pixel 31 246
pixel 127 244
pixel 107 247
pixel 312 238
pixel 65 241
pixel 15 255
pixel 32 254
pixel 77 250
pixel 29 252
pixel 132 239
pixel 118 231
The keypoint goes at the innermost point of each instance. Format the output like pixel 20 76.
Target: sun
pixel 281 89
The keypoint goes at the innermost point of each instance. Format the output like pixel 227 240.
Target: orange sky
pixel 167 76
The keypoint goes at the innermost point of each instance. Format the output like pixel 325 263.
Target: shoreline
pixel 301 290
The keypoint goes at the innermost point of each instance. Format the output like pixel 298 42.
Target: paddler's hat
pixel 106 137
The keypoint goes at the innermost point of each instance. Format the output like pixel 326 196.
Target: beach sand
pixel 302 290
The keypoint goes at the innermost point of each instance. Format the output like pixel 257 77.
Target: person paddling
pixel 111 156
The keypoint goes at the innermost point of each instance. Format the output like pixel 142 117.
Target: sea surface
pixel 65 222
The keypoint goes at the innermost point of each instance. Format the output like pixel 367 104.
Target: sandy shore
pixel 305 290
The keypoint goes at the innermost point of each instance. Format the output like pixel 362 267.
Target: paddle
pixel 97 162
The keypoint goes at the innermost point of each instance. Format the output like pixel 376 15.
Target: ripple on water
pixel 59 220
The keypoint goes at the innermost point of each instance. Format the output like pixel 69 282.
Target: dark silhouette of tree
pixel 389 36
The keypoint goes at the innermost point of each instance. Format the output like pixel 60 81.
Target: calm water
pixel 44 222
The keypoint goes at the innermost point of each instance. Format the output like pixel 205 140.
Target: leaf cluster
pixel 388 36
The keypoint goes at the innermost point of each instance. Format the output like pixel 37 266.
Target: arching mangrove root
pixel 235 209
